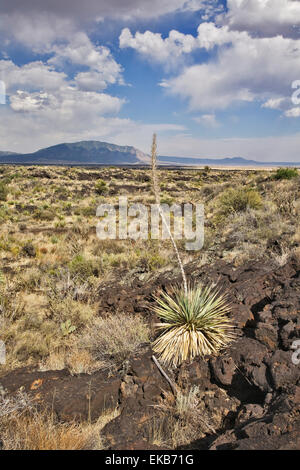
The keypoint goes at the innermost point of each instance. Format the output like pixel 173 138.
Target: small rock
pixel 266 334
pixel 223 369
pixel 283 371
pixel 258 376
pixel 248 412
pixel 248 351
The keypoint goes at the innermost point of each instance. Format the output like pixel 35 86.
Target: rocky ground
pixel 248 398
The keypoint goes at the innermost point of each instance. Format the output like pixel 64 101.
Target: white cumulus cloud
pixel 153 46
pixel 264 17
pixel 245 69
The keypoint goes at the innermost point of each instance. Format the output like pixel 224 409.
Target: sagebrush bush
pixel 3 191
pixel 101 187
pixel 83 267
pixel 286 174
pixel 239 200
pixel 115 337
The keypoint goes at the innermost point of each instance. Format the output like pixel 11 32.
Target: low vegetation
pixel 3 191
pixel 23 427
pixel 286 174
pixel 54 270
pixel 115 337
pixel 239 200
pixel 101 187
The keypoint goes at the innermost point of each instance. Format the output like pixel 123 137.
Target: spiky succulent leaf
pixel 194 324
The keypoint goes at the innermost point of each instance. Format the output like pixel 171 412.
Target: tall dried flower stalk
pixel 156 190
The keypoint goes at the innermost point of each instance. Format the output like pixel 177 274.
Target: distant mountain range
pixel 233 162
pixel 103 153
pixel 79 153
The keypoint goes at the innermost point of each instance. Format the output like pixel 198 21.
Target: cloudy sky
pixel 213 78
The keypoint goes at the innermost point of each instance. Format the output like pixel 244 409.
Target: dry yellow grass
pixel 114 337
pixel 33 430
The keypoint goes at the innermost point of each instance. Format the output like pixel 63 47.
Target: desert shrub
pixel 108 247
pixel 3 214
pixel 3 191
pixel 115 337
pixel 45 214
pixel 285 201
pixel 186 403
pixel 29 250
pixel 30 279
pixel 285 174
pixel 239 200
pixel 193 323
pixel 101 187
pixel 119 260
pixel 32 343
pixel 69 313
pixel 166 199
pixel 2 278
pixel 83 267
pixel 152 261
pixel 11 305
pixel 88 211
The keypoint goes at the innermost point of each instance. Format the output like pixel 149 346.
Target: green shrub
pixel 87 211
pixel 44 214
pixel 3 191
pixel 101 187
pixel 286 174
pixel 83 267
pixel 239 200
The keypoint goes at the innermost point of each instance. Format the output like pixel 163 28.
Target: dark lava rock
pixel 283 371
pixel 257 428
pixel 78 397
pixel 259 376
pixel 248 351
pixel 197 373
pixel 223 369
pixel 266 334
pixel 249 413
pixel 289 333
pixel 249 398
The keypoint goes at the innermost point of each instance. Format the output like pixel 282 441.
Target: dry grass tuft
pixel 34 431
pixel 114 337
pixel 181 421
pixel 23 427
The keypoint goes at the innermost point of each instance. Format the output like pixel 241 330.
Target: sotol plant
pixel 194 320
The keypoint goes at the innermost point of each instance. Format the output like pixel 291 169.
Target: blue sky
pixel 212 77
